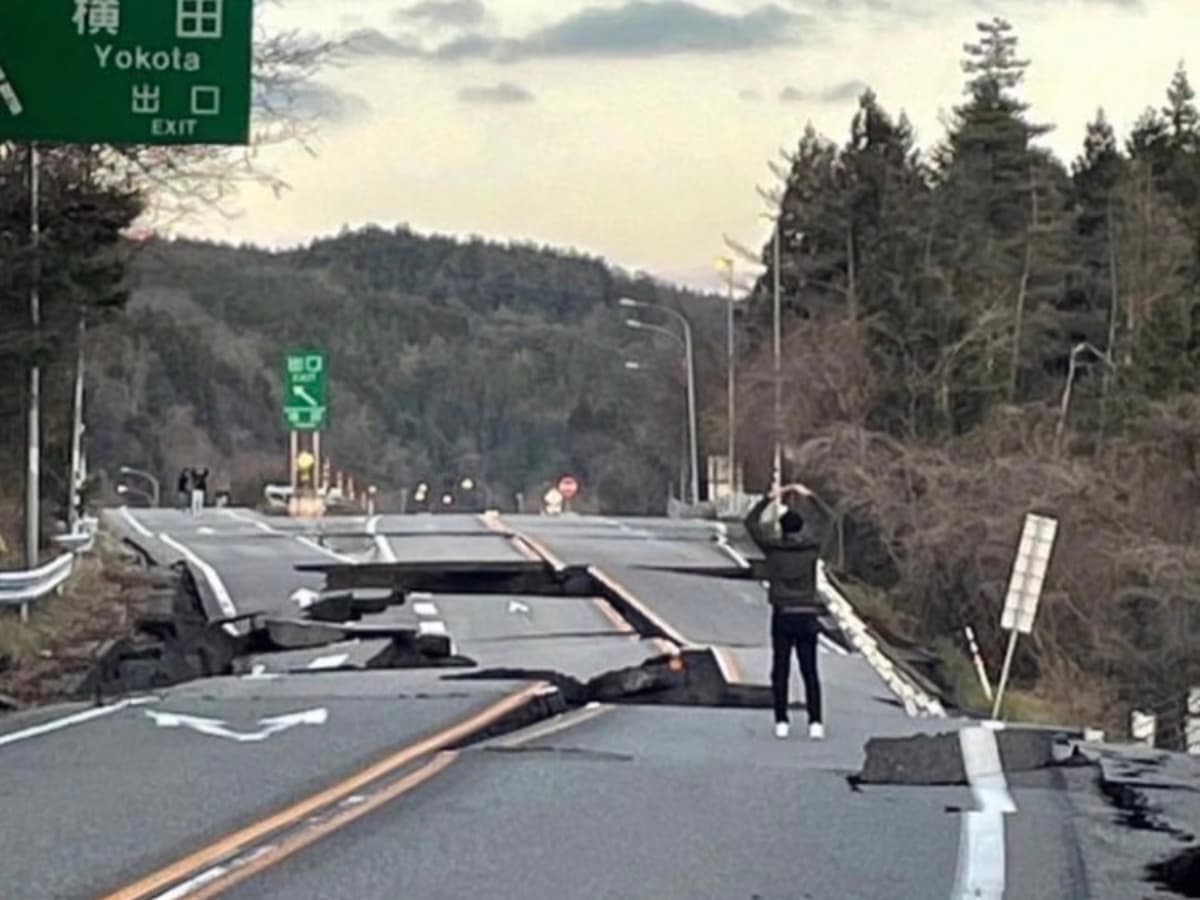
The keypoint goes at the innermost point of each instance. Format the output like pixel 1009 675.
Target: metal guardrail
pixel 24 587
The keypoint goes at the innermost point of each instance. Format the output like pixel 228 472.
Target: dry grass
pixel 1118 627
pixel 99 603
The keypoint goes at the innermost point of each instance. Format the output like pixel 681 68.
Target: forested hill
pixel 448 358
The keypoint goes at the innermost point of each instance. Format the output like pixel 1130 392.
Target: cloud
pixel 456 13
pixel 641 28
pixel 503 94
pixel 636 29
pixel 749 95
pixel 373 42
pixel 834 93
pixel 312 101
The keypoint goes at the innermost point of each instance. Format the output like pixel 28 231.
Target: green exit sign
pixel 126 71
pixel 306 390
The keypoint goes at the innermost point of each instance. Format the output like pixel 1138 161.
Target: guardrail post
pixel 1143 728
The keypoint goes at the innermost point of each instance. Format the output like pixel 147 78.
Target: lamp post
pixel 124 489
pixel 693 438
pixel 146 476
pixel 726 262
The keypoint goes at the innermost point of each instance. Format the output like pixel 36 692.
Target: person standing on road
pixel 199 490
pixel 185 489
pixel 796 605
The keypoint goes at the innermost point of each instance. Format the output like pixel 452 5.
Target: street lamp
pixel 638 324
pixel 726 263
pixel 124 489
pixel 154 485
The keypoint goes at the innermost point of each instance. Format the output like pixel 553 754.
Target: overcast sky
pixel 638 130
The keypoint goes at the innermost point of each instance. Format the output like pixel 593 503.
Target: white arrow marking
pixel 335 661
pixel 218 728
pixel 302 392
pixel 517 608
pixel 304 597
pixel 11 100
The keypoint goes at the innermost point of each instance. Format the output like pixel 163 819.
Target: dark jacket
pixel 791 560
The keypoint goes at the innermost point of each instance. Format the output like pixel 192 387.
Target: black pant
pixel 799 630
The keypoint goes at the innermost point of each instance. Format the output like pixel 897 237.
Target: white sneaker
pixel 781 730
pixel 816 731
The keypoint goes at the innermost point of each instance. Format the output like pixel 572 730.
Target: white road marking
pixel 228 608
pixel 386 552
pixel 218 728
pixel 260 673
pixel 135 524
pixel 517 608
pixel 833 646
pixel 340 557
pixel 304 597
pixel 420 595
pixel 74 719
pixel 425 608
pixel 193 884
pixel 335 661
pixel 554 726
pixel 250 520
pixel 723 543
pixel 205 530
pixel 981 853
pixel 432 628
pixel 9 96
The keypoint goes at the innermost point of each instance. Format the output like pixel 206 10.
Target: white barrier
pixel 917 703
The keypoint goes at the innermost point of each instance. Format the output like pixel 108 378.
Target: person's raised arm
pixel 754 525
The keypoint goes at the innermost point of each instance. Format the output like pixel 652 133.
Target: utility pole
pixel 777 480
pixel 73 495
pixel 33 447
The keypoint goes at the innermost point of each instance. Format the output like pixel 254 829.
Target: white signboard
pixel 1029 573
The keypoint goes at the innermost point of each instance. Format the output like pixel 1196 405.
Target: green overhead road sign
pixel 306 390
pixel 126 71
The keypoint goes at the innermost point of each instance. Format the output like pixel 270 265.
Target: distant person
pixel 796 606
pixel 185 489
pixel 199 490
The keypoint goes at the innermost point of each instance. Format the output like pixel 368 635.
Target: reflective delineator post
pixel 980 668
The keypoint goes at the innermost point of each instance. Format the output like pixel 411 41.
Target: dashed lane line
pixel 981 851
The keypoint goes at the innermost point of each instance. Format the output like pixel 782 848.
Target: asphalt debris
pixel 1179 873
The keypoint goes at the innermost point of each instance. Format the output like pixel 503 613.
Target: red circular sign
pixel 568 487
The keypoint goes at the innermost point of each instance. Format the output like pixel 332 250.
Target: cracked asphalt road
pixel 602 802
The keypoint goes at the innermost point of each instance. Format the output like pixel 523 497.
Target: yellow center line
pixel 243 837
pixel 272 856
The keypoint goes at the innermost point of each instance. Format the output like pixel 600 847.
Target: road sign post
pixel 1025 590
pixel 126 71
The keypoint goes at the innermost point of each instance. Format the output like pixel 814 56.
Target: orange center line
pixel 240 839
pixel 297 842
